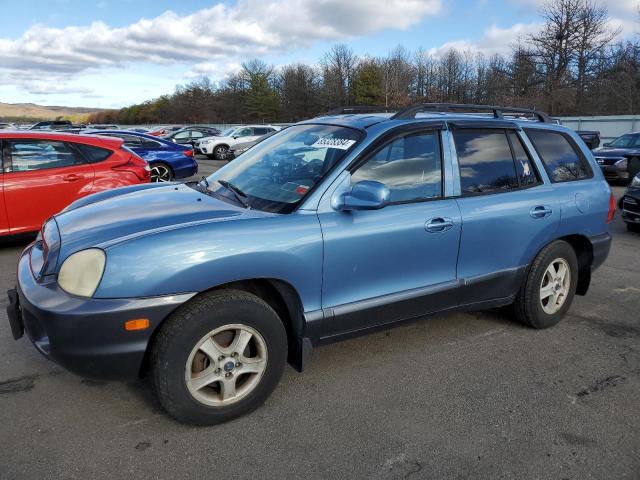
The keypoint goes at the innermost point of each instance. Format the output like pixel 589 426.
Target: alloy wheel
pixel 226 365
pixel 555 286
pixel 160 173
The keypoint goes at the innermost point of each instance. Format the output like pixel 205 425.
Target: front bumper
pixel 85 335
pixel 611 172
pixel 630 206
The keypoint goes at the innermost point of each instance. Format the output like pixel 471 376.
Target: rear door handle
pixel 438 224
pixel 540 211
pixel 72 177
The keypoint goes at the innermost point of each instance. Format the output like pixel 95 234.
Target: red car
pixel 44 172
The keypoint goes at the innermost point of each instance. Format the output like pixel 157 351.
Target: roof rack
pixel 498 112
pixel 361 109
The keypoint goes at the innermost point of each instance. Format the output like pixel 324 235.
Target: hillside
pixel 31 111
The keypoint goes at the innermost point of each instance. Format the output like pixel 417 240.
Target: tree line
pixel 574 65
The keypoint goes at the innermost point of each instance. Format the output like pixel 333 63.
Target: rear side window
pixel 261 131
pixel 561 159
pixel 147 143
pixel 410 167
pixel 485 160
pixel 94 154
pixel 27 155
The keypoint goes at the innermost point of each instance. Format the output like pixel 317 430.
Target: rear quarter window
pixel 560 156
pixel 93 154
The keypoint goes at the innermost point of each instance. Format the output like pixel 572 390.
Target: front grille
pixel 631 205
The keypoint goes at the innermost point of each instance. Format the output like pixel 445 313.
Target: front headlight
pixel 636 181
pixel 81 272
pixel 622 164
pixel 206 142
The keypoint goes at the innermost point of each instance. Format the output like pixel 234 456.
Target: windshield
pixel 228 132
pixel 276 174
pixel 626 141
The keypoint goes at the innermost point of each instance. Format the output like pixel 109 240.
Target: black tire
pixel 161 167
pixel 633 227
pixel 220 152
pixel 527 306
pixel 181 332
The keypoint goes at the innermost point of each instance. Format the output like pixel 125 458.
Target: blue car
pixel 168 160
pixel 335 227
pixel 613 157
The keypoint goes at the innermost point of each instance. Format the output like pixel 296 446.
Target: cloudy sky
pixel 111 53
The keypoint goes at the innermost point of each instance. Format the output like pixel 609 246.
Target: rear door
pixel 41 177
pixel 508 211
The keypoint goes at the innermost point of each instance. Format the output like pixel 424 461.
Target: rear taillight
pixel 188 153
pixel 612 208
pixel 134 164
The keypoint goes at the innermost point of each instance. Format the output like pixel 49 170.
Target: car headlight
pixel 81 272
pixel 636 181
pixel 206 142
pixel 622 164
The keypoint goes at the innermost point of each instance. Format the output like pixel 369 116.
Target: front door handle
pixel 438 224
pixel 72 177
pixel 540 211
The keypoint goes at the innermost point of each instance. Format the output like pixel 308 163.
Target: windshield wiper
pixel 239 194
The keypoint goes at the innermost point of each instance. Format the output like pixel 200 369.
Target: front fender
pixel 199 257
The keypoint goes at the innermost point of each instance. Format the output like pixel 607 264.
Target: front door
pixel 398 262
pixel 41 178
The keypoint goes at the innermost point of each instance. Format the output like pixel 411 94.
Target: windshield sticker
pixel 340 143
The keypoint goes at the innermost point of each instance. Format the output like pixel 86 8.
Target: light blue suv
pixel 335 227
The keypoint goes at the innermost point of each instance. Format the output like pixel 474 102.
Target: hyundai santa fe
pixel 332 228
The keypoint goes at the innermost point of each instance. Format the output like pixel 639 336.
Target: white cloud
pixel 495 40
pixel 209 37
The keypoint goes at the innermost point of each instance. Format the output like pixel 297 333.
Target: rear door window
pixel 560 156
pixel 485 161
pixel 28 155
pixel 527 174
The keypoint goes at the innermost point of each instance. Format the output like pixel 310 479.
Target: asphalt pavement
pixel 471 395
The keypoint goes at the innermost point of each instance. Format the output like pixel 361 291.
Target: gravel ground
pixel 456 396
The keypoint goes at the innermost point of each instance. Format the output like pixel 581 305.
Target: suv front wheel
pixel 548 290
pixel 218 357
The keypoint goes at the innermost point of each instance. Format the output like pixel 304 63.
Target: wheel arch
pixel 279 295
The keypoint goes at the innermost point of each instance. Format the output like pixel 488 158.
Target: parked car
pixel 103 126
pixel 7 126
pixel 44 172
pixel 630 205
pixel 140 130
pixel 336 227
pixel 217 147
pixel 189 135
pixel 613 157
pixel 240 148
pixel 51 125
pixel 591 138
pixel 160 131
pixel 168 161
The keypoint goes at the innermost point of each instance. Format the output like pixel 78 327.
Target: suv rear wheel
pixel 218 357
pixel 548 290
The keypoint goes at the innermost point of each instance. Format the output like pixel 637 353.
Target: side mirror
pixel 365 195
pixel 606 144
pixel 235 137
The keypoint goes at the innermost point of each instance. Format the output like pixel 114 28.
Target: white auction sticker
pixel 340 143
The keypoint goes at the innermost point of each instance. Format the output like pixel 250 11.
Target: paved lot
pixel 456 396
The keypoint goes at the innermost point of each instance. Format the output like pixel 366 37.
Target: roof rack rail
pixel 360 109
pixel 498 112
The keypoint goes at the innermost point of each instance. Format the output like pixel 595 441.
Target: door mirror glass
pixel 364 195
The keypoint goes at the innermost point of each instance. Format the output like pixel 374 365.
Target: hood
pixel 612 152
pixel 132 213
